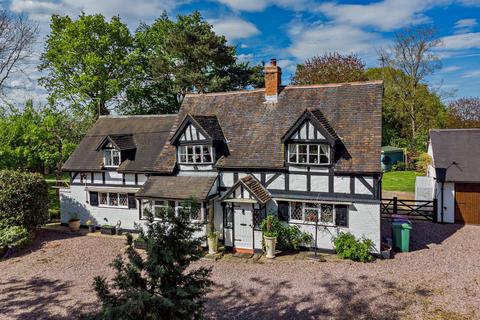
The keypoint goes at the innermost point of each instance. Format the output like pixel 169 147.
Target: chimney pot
pixel 273 81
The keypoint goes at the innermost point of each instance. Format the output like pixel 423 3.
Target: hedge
pixel 24 199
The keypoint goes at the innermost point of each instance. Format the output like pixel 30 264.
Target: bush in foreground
pixel 23 199
pixel 13 237
pixel 348 247
pixel 158 286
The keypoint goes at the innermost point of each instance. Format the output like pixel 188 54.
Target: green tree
pixel 38 139
pixel 173 58
pixel 429 113
pixel 413 55
pixel 330 68
pixel 160 285
pixel 463 113
pixel 86 61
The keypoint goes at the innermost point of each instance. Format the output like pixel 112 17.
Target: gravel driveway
pixel 440 279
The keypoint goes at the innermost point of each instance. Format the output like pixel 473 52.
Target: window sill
pixel 114 207
pixel 312 223
pixel 310 164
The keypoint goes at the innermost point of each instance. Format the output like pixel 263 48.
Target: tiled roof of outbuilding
pixel 459 151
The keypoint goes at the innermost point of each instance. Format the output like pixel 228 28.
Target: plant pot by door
pixel 74 225
pixel 212 244
pixel 270 243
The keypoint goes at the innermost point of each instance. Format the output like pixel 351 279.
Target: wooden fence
pixel 411 209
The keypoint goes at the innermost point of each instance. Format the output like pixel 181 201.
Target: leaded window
pixel 111 157
pixel 309 153
pixel 197 154
pixel 113 199
pixel 309 212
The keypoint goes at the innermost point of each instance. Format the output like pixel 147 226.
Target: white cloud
pixel 260 5
pixel 385 15
pixel 469 2
pixel 465 25
pixel 472 74
pixel 450 69
pixel 246 5
pixel 234 28
pixel 142 9
pixel 462 41
pixel 245 57
pixel 318 39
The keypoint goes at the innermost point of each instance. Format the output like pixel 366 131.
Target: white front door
pixel 243 226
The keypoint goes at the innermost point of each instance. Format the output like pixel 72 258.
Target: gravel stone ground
pixel 439 279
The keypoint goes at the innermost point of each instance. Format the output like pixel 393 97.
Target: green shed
pixel 390 156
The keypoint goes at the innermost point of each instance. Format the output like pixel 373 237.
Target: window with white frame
pixel 113 199
pixel 196 154
pixel 111 157
pixel 327 214
pixel 309 153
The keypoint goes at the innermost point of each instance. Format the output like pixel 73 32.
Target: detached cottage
pixel 293 151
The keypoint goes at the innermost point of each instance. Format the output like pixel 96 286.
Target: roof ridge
pixel 137 116
pixel 290 86
pixel 455 129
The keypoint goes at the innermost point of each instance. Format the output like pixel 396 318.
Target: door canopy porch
pixel 247 190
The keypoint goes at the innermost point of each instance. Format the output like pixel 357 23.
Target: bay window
pixel 196 154
pixel 309 153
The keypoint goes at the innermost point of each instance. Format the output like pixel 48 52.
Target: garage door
pixel 467 203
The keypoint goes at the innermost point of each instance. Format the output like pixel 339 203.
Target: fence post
pixel 395 205
pixel 435 210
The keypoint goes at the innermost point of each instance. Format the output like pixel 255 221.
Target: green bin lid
pixel 401 225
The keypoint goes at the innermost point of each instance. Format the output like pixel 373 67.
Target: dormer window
pixel 314 154
pixel 195 154
pixel 111 157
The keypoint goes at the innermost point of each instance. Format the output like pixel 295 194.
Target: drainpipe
pixel 443 184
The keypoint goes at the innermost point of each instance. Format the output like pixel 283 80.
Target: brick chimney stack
pixel 273 81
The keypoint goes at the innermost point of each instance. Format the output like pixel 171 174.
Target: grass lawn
pixel 52 193
pixel 399 181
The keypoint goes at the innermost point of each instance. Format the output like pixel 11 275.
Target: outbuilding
pixel 455 173
pixel 390 156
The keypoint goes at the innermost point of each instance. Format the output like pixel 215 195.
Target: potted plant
pixel 386 251
pixel 74 222
pixel 212 237
pixel 108 229
pixel 139 242
pixel 269 227
pixel 118 229
pixel 91 226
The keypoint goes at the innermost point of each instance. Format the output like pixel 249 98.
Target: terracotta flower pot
pixel 270 243
pixel 74 225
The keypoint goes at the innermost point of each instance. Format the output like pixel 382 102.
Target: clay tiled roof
pixel 177 187
pixel 147 134
pixel 254 129
pixel 256 189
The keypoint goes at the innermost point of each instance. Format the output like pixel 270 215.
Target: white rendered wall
pixel 360 188
pixel 73 200
pixel 363 221
pixel 341 184
pixel 448 202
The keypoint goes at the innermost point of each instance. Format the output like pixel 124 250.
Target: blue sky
pixel 292 30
